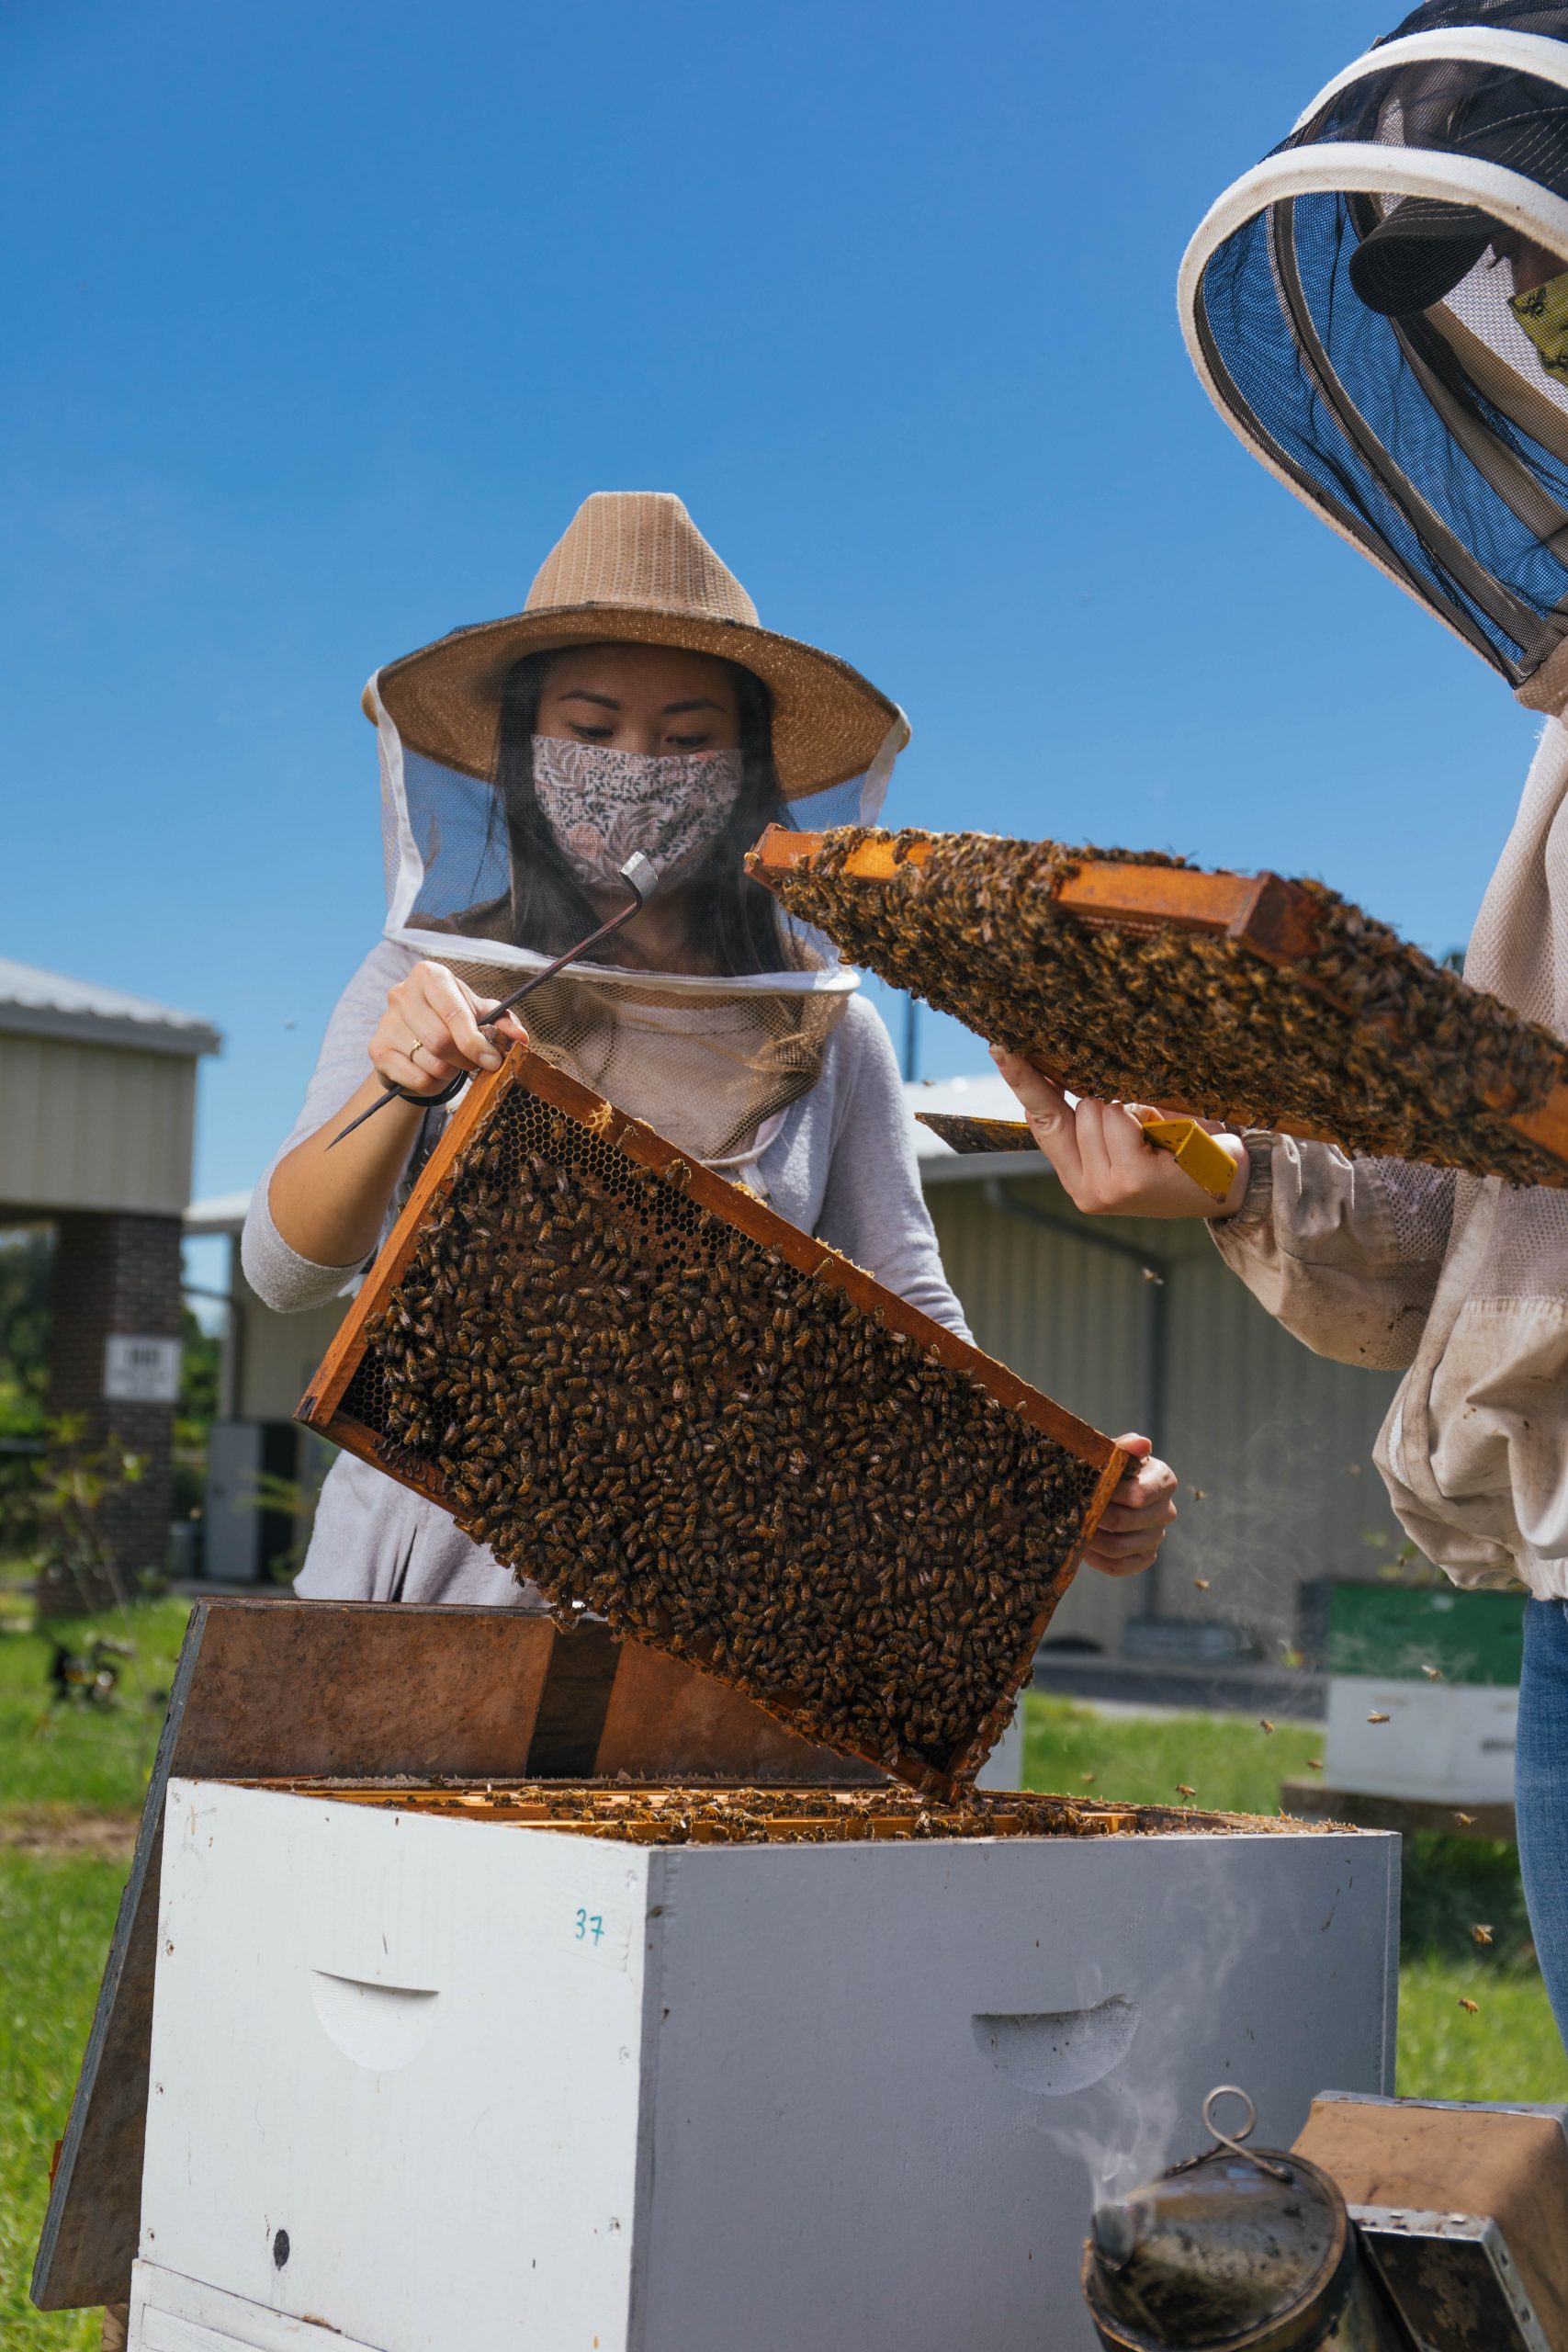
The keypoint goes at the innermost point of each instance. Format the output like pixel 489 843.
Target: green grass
pixel 57 1909
pixel 1509 2049
pixel 84 1759
pixel 60 1768
pixel 1230 1762
pixel 56 1917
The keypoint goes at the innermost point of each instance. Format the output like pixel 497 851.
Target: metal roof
pixel 46 1004
pixel 986 1097
pixel 220 1213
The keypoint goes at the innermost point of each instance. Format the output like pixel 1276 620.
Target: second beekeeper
pixel 1380 309
pixel 633 705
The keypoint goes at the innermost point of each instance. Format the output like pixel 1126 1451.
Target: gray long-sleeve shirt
pixel 841 1166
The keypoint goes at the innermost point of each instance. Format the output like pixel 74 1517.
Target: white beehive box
pixel 1443 1743
pixel 443 2086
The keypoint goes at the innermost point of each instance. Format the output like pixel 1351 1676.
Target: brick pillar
pixel 120 1276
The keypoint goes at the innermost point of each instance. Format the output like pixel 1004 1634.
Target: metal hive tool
pixel 1243 998
pixel 668 1407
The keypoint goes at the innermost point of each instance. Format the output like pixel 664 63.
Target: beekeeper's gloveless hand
pixel 330 1205
pixel 1132 1527
pixel 1107 1165
pixel 431 1030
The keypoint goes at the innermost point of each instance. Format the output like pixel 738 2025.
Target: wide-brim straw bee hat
pixel 632 568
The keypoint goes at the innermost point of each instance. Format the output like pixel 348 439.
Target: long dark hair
pixel 735 923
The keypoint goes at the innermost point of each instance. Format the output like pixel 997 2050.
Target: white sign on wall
pixel 142 1371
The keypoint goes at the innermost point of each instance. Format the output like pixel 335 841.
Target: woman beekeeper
pixel 633 705
pixel 1381 312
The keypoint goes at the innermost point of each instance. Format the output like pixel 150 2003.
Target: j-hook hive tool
pixel 641 877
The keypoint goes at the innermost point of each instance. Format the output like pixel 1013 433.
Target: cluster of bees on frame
pixel 754 1816
pixel 1367 1040
pixel 661 1421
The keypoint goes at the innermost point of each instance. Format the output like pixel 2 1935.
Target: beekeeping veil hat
pixel 1346 307
pixel 710 1057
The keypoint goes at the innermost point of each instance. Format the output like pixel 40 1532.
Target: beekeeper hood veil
pixel 501 844
pixel 1349 312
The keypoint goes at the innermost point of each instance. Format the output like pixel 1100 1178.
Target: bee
pixel 1482 1935
pixel 1375 1718
pixel 1184 1791
pixel 1470 2009
pixel 1263 1723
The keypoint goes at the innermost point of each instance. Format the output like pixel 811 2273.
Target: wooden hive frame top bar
pixel 1276 917
pixel 1272 918
pixel 707 1813
pixel 328 1406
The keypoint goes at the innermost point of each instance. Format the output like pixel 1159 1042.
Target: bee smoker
pixel 1411 2226
pixel 1237 2250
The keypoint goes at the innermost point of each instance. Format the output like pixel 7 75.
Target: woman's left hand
pixel 1136 1518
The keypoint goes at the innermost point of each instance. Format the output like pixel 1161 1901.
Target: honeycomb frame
pixel 675 1210
pixel 1302 1014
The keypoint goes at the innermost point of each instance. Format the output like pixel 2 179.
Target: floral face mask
pixel 601 804
pixel 1543 314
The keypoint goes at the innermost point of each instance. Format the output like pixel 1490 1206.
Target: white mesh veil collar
pixel 424 808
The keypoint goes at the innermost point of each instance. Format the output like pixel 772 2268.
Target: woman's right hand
pixel 431 1031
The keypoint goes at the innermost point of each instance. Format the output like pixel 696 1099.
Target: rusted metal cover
pixel 1464 2209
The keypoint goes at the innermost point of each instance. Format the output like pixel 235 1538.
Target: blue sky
pixel 320 318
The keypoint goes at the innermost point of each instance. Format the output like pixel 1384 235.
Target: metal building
pixel 97 1113
pixel 1138 1324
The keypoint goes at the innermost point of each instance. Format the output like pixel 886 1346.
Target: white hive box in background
pixel 447 2085
pixel 1442 1743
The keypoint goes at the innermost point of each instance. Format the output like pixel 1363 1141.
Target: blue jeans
pixel 1540 1793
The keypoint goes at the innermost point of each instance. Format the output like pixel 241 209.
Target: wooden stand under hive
pixel 1243 998
pixel 672 1408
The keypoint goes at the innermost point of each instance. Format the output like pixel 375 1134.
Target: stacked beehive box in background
pixel 1423 1693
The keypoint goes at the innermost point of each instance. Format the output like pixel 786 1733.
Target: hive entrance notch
pixel 1249 998
pixel 668 1407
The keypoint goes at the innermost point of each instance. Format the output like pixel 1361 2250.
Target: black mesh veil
pixel 1434 439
